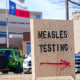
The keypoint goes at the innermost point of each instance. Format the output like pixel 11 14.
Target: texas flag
pixel 14 10
pixel 21 1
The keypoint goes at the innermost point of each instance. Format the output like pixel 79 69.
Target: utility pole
pixel 67 10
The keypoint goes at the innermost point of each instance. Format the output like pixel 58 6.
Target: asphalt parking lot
pixel 13 76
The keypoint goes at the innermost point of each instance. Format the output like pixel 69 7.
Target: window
pixel 21 23
pixel 19 54
pixel 28 48
pixel 2 34
pixel 3 23
pixel 28 23
pixel 6 52
pixel 16 54
pixel 13 22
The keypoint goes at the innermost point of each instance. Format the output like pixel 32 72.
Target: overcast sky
pixel 49 10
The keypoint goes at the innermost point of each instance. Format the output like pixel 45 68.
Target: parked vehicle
pixel 11 60
pixel 77 62
pixel 27 67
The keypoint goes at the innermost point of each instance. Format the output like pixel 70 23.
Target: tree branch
pixel 74 3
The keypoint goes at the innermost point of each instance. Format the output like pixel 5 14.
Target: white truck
pixel 27 67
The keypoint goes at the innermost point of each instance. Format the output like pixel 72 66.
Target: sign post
pixel 52 48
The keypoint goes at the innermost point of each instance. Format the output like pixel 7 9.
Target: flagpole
pixel 7 34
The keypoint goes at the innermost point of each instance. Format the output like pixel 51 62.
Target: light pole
pixel 7 34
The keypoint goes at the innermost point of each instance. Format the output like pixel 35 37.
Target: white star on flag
pixel 12 7
pixel 21 1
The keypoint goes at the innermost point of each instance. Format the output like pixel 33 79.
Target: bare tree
pixel 73 4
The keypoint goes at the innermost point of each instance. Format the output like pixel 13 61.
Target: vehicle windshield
pixel 29 54
pixel 6 52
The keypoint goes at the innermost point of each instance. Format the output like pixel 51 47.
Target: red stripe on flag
pixel 22 13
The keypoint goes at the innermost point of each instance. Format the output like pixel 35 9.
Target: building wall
pixel 16 42
pixel 17 24
pixel 16 27
pixel 76 22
